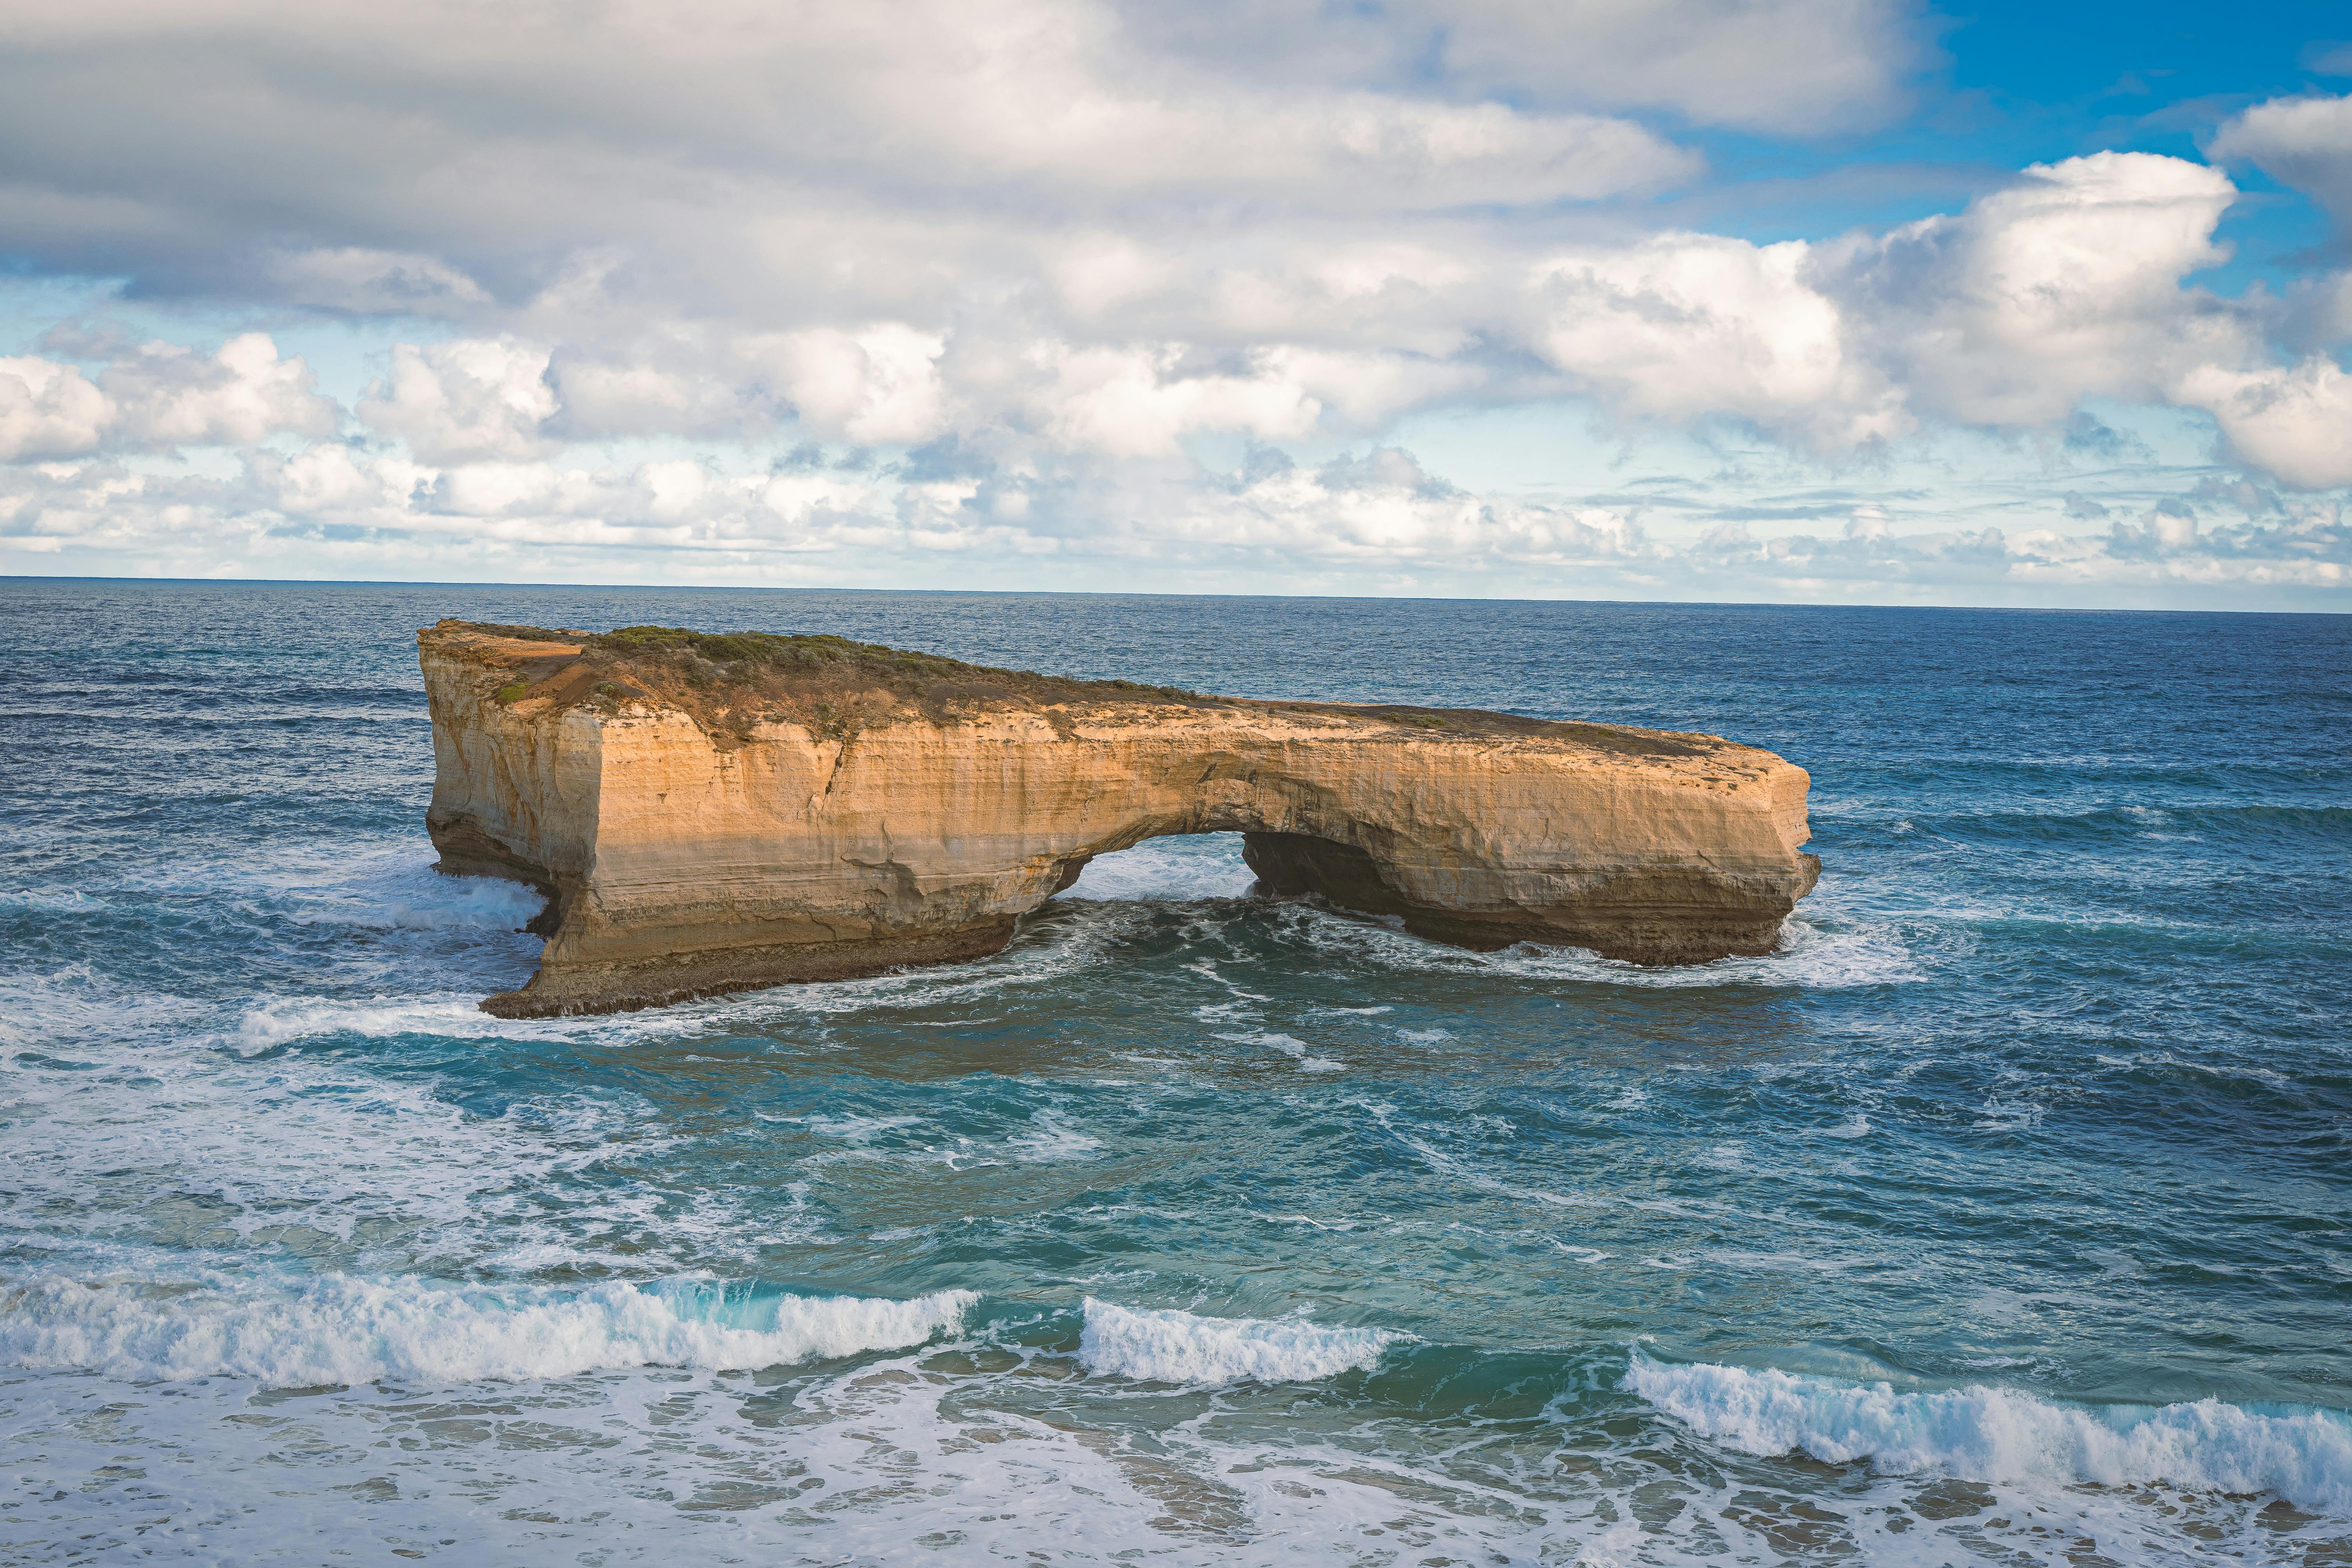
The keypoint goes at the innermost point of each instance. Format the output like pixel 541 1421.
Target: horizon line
pixel 1127 593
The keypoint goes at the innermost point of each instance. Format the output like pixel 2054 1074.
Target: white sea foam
pixel 2003 1435
pixel 50 901
pixel 72 1008
pixel 1809 957
pixel 203 1148
pixel 1072 946
pixel 1182 869
pixel 1290 1045
pixel 1169 1346
pixel 282 1019
pixel 849 1127
pixel 389 886
pixel 448 903
pixel 342 1330
pixel 1051 1139
pixel 541 1479
pixel 1857 1125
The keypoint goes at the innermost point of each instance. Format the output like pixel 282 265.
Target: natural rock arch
pixel 703 833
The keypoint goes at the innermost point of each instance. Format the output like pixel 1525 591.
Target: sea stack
pixel 718 813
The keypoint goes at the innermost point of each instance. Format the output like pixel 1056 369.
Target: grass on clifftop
pixel 787 651
pixel 726 679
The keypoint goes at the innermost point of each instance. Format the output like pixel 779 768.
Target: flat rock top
pixel 730 682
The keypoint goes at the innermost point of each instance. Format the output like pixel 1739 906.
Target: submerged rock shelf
pixel 718 813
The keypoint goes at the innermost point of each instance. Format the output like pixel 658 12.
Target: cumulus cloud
pixel 2066 284
pixel 465 400
pixel 1038 268
pixel 49 410
pixel 2165 547
pixel 1139 402
pixel 2070 283
pixel 2301 142
pixel 877 384
pixel 1378 518
pixel 169 396
pixel 158 396
pixel 1385 508
pixel 2296 424
pixel 1685 326
pixel 438 157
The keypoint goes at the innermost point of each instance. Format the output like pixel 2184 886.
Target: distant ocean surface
pixel 2003 1216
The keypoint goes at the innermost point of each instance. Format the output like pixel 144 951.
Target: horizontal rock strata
pixel 710 814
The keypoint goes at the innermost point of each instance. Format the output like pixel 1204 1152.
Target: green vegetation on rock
pixel 787 651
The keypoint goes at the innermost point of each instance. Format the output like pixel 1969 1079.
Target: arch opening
pixel 1176 867
pixel 1237 863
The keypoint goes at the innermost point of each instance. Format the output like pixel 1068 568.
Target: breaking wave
pixel 1170 1345
pixel 342 1330
pixel 451 1016
pixel 2003 1435
pixel 425 900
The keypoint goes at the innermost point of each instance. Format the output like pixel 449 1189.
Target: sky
pixel 1826 302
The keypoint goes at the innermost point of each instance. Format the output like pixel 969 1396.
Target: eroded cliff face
pixel 706 824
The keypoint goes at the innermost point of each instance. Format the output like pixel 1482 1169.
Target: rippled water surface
pixel 2001 1217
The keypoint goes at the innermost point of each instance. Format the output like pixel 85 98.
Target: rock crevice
pixel 715 813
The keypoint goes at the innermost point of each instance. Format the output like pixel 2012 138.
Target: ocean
pixel 2003 1216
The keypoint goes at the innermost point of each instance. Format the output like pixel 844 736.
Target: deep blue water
pixel 2000 1217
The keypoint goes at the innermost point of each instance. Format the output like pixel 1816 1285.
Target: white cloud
pixel 1098 272
pixel 1384 508
pixel 878 385
pixel 2301 142
pixel 2067 285
pixel 2296 424
pixel 622 397
pixel 1028 258
pixel 49 410
pixel 354 277
pixel 333 483
pixel 1793 66
pixel 465 400
pixel 170 396
pixel 1765 65
pixel 2064 285
pixel 1139 402
pixel 158 396
pixel 1685 326
pixel 1376 520
pixel 1348 149
pixel 432 158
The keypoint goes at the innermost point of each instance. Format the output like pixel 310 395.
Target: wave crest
pixel 1170 1345
pixel 342 1330
pixel 2004 1434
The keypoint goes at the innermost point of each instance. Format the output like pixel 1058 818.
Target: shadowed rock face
pixel 718 814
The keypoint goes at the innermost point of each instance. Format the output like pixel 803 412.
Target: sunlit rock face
pixel 711 814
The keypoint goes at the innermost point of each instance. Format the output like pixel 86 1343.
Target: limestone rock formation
pixel 710 814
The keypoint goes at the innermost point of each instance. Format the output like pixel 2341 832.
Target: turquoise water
pixel 2000 1217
